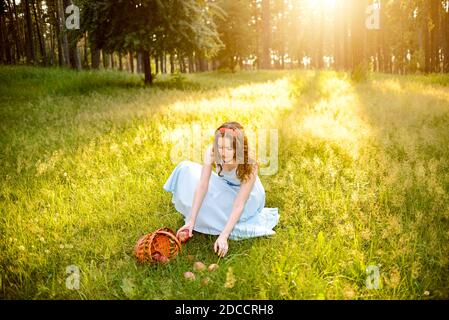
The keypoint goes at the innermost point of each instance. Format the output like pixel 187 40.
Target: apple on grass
pixel 189 275
pixel 213 267
pixel 199 266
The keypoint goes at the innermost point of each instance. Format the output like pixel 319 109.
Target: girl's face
pixel 225 149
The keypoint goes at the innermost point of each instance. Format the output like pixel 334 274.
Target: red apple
pixel 183 236
pixel 199 266
pixel 212 267
pixel 205 281
pixel 163 259
pixel 156 256
pixel 189 275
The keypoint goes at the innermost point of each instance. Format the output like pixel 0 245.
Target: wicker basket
pixel 158 246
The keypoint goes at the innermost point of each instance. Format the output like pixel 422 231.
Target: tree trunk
pixel 52 46
pixel 202 62
pixel 339 35
pixel 75 59
pixel 172 63
pixel 147 67
pixel 39 34
pixel 256 13
pixel 111 56
pixel 120 63
pixel 95 57
pixel 20 31
pixel 231 62
pixel 156 63
pixel 266 32
pixel 30 53
pixel 358 33
pixel 434 46
pixel 12 27
pixel 347 51
pixel 381 47
pixel 282 31
pixel 139 63
pixel 72 44
pixel 63 33
pixel 44 28
pixel 441 37
pixel 320 45
pixel 86 52
pixel 5 48
pixel 5 53
pixel 161 62
pixel 61 57
pixel 131 62
pixel 446 40
pixel 182 63
pixel 196 61
pixel 427 50
pixel 106 60
pixel 191 64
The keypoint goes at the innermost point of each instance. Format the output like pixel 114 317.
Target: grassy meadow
pixel 363 180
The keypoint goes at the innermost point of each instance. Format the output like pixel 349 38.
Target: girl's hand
pixel 221 245
pixel 188 226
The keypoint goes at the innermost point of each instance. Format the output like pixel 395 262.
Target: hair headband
pixel 232 131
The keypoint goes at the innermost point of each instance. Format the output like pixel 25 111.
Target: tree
pixel 358 33
pixel 147 24
pixel 445 14
pixel 279 21
pixel 320 39
pixel 233 29
pixel 340 34
pixel 63 45
pixel 194 34
pixel 71 41
pixel 5 54
pixel 37 20
pixel 265 57
pixel 434 27
pixel 29 41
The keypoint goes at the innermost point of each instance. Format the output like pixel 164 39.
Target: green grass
pixel 363 179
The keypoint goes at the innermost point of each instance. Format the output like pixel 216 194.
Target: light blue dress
pixel 216 208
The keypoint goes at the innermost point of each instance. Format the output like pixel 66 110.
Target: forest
pixel 154 37
pixel 344 103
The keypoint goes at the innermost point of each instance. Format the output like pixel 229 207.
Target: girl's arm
pixel 202 186
pixel 239 203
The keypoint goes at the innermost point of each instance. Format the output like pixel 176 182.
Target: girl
pixel 230 202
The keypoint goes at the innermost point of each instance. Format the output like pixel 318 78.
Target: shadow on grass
pixel 25 83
